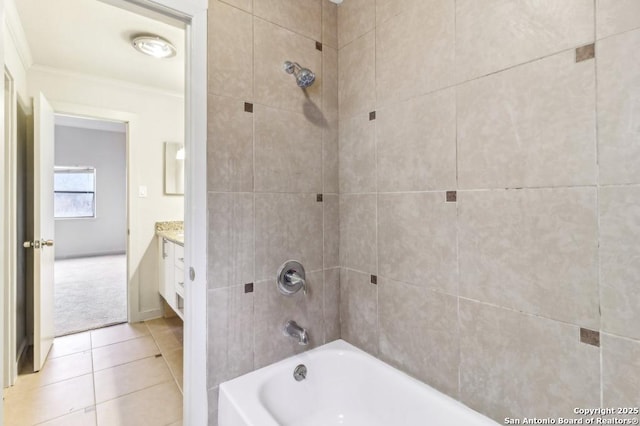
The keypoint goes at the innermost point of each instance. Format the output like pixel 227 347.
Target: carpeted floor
pixel 90 292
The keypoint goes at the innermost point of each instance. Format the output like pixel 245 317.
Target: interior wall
pixel 272 181
pixel 106 152
pixel 489 198
pixel 159 118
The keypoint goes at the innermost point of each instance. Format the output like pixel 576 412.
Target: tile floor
pixel 124 375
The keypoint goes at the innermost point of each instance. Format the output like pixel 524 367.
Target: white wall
pixel 154 117
pixel 106 152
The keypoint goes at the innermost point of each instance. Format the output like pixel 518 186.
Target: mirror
pixel 173 168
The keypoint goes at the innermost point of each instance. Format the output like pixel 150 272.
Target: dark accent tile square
pixel 248 107
pixel 158 355
pixel 585 52
pixel 374 279
pixel 590 337
pixel 372 115
pixel 319 46
pixel 452 196
pixel 319 198
pixel 248 288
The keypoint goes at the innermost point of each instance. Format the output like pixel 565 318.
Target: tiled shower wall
pixel 490 197
pixel 272 181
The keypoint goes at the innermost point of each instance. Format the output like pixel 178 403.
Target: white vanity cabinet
pixel 171 274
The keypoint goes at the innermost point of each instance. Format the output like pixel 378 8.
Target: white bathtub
pixel 344 386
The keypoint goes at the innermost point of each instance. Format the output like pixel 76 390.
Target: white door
pixel 43 224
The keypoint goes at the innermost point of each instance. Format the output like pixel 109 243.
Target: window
pixel 74 192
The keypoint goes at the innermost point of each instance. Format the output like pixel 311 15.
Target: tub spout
pixel 292 329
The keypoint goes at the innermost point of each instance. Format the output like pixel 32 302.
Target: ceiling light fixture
pixel 153 45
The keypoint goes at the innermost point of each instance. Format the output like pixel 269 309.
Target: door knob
pixel 37 244
pixel 48 243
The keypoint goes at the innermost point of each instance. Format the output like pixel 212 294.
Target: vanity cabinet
pixel 171 274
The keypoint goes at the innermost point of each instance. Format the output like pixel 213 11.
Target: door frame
pixel 10 360
pixel 194 14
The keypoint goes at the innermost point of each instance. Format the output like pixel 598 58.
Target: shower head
pixel 304 76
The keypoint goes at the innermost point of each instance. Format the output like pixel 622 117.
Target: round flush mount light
pixel 153 45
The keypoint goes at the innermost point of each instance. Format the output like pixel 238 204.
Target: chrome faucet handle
pixel 291 278
pixel 296 280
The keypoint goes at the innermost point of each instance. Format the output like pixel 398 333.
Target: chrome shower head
pixel 304 76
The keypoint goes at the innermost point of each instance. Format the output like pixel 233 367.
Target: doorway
pixel 193 13
pixel 90 212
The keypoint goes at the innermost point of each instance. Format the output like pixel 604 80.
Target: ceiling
pixel 93 38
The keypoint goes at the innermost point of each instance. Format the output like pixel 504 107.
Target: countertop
pixel 172 231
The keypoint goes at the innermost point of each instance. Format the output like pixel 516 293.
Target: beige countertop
pixel 172 231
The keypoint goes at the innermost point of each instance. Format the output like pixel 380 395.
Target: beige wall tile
pixel 618 108
pixel 616 16
pixel 496 34
pixel 416 143
pixel 240 4
pixel 331 213
pixel 387 9
pixel 230 334
pixel 331 158
pixel 230 56
pixel 329 24
pixel 159 404
pixel 229 146
pixel 330 114
pixel 302 17
pixel 330 84
pixel 417 240
pixel 231 239
pixel 619 254
pixel 358 232
pixel 532 250
pixel 355 18
pixel 331 304
pixel 288 152
pixel 419 333
pixel 356 76
pixel 273 45
pixel 359 310
pixel 620 372
pixel 288 226
pixel 357 154
pixel 515 365
pixel 515 132
pixel 403 69
pixel 273 310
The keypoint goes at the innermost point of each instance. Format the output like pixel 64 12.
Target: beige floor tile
pixel 56 370
pixel 169 340
pixel 176 423
pixel 175 361
pixel 134 376
pixel 160 325
pixel 86 417
pixel 33 406
pixel 70 344
pixel 124 352
pixel 118 333
pixel 154 406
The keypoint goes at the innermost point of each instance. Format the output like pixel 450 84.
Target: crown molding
pixel 123 84
pixel 15 30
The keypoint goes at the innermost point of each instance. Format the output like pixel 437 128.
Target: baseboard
pixel 84 255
